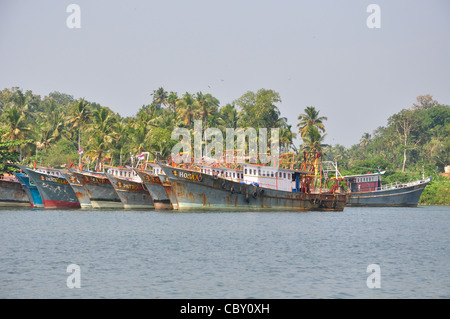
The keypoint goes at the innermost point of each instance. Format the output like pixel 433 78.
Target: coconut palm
pixel 187 109
pixel 313 144
pixel 102 134
pixel 79 115
pixel 16 125
pixel 121 130
pixel 229 115
pixel 309 119
pixel 207 106
pixel 159 97
pixel 172 100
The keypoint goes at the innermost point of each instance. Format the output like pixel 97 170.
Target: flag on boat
pixel 141 156
pixel 80 151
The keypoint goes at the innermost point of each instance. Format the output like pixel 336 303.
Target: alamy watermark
pixel 73 21
pixel 374 19
pixel 74 279
pixel 374 279
pixel 213 150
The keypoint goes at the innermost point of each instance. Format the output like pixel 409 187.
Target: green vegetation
pixel 53 130
pixel 415 142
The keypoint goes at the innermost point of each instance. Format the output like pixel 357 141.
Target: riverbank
pixel 437 192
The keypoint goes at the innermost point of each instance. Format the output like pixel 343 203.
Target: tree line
pixel 57 128
pixel 53 130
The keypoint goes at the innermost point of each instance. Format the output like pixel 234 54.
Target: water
pixel 156 254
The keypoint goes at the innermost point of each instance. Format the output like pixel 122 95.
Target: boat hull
pixel 55 191
pixel 195 190
pixel 133 194
pixel 155 188
pixel 79 190
pixel 12 194
pixel 396 197
pixel 100 191
pixel 31 190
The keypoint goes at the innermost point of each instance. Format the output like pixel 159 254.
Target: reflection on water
pixel 166 254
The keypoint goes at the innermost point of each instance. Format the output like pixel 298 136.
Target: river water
pixel 172 255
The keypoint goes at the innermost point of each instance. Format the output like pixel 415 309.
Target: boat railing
pixel 402 185
pixel 389 186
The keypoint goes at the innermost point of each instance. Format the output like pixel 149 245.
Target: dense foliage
pixel 53 130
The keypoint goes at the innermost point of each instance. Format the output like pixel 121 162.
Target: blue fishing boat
pixel 54 189
pixel 30 189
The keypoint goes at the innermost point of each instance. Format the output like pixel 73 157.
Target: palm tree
pixel 229 115
pixel 313 142
pixel 187 109
pixel 207 105
pixel 309 119
pixel 286 138
pixel 48 128
pixel 121 130
pixel 103 134
pixel 16 124
pixel 172 100
pixel 24 102
pixel 364 141
pixel 79 115
pixel 159 97
pixel 139 136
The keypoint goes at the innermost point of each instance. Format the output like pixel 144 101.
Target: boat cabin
pixel 364 183
pixel 123 172
pixel 48 171
pixel 231 174
pixel 154 168
pixel 262 176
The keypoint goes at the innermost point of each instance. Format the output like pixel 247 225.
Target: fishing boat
pixel 54 189
pixel 30 189
pixel 12 194
pixel 99 189
pixel 158 187
pixel 78 188
pixel 130 188
pixel 368 190
pixel 288 189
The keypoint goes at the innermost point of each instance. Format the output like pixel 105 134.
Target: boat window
pixel 245 171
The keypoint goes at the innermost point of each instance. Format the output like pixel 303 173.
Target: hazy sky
pixel 313 53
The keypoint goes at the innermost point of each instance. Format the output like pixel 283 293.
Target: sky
pixel 313 53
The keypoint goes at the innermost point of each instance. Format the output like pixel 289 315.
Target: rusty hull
pixel 133 194
pixel 194 190
pixel 79 190
pixel 156 188
pixel 99 189
pixel 12 194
